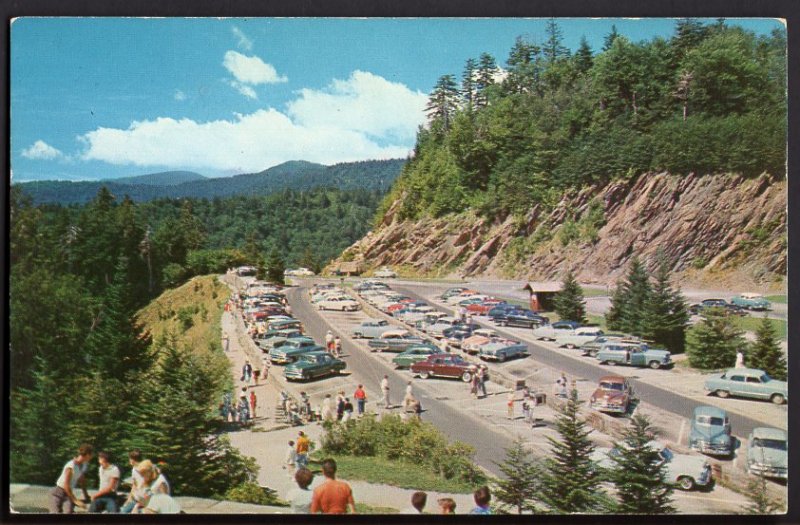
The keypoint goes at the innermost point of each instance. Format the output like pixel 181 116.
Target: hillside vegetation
pixel 711 99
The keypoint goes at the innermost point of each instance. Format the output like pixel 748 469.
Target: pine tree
pixel 608 41
pixel 468 83
pixel 553 48
pixel 487 67
pixel 765 353
pixel 639 474
pixel 520 486
pixel 665 317
pixel 522 69
pixel 713 343
pixel 443 102
pixel 275 267
pixel 583 56
pixel 570 479
pixel 760 501
pixel 569 303
pixel 629 302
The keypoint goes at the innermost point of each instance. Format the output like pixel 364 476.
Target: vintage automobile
pixel 284 324
pixel 445 365
pixel 456 334
pixel 579 336
pixel 768 453
pixel 429 320
pixel 717 306
pixel 464 300
pixel 450 292
pixel 633 354
pixel 414 354
pixel 501 309
pixel 497 350
pixel 483 307
pixel 613 395
pixel 344 304
pixel 371 328
pixel 442 324
pixel 521 318
pixel 685 471
pixel 751 301
pixel 710 432
pixel 551 331
pixel 394 341
pixel 299 272
pixel 385 273
pixel 748 382
pixel 313 364
pixel 274 338
pixel 412 315
pixel 291 349
pixel 591 348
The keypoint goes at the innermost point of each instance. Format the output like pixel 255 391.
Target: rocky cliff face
pixel 723 230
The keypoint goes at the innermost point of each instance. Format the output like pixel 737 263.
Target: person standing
pixel 333 496
pixel 291 457
pixel 361 399
pixel 446 505
pixel 106 496
pixel 739 359
pixel 510 405
pixel 473 385
pixel 329 341
pixel 253 401
pixel 73 475
pixel 418 501
pixel 409 398
pixel 265 366
pixel 247 371
pixel 337 347
pixel 348 410
pixel 482 497
pixel 300 497
pixel 244 409
pixel 303 445
pixel 481 375
pixel 340 406
pixel 327 409
pixel 256 374
pixel 385 391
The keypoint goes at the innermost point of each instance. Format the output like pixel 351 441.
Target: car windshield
pixel 712 421
pixel 765 378
pixel 608 385
pixel 776 444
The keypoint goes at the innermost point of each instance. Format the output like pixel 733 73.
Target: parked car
pixel 385 273
pixel 429 320
pixel 501 350
pixel 414 354
pixel 522 319
pixel 591 348
pixel 613 395
pixel 274 338
pixel 445 365
pixel 313 364
pixel 483 307
pixel 450 292
pixel 455 335
pixel 284 324
pixel 344 304
pixel 463 300
pixel 413 315
pixel 299 272
pixel 291 349
pixel 551 331
pixel 684 470
pixel 633 354
pixel 394 341
pixel 716 305
pixel 500 310
pixel 711 431
pixel 371 328
pixel 442 324
pixel 581 335
pixel 768 453
pixel 748 382
pixel 751 301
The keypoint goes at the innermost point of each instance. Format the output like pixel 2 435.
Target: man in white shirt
pixel 72 476
pixel 385 391
pixel 106 497
pixel 134 458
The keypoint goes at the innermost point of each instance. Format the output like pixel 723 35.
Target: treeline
pixel 710 99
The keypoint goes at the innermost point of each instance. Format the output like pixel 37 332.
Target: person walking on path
pixel 348 410
pixel 327 409
pixel 244 409
pixel 302 447
pixel 443 346
pixel 73 475
pixel 337 347
pixel 739 359
pixel 299 498
pixel 385 391
pixel 473 385
pixel 291 457
pixel 256 374
pixel 409 398
pixel 361 399
pixel 253 401
pixel 510 405
pixel 482 498
pixel 333 496
pixel 247 371
pixel 265 366
pixel 106 496
pixel 481 375
pixel 329 341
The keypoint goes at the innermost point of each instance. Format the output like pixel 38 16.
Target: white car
pixel 344 304
pixel 458 298
pixel 385 273
pixel 578 337
pixel 552 331
pixel 301 272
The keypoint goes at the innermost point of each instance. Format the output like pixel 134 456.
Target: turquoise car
pixel 633 354
pixel 748 382
pixel 414 354
pixel 293 348
pixel 768 453
pixel 312 365
pixel 751 301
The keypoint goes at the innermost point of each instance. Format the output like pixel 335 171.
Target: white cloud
pixel 251 70
pixel 363 117
pixel 179 95
pixel 364 103
pixel 41 150
pixel 244 42
pixel 243 89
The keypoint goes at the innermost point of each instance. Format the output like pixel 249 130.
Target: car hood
pixel 600 394
pixel 769 456
pixel 686 464
pixel 710 433
pixel 660 354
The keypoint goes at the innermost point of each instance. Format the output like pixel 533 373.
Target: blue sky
pixel 95 98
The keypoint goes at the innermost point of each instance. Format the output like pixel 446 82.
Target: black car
pixel 724 306
pixel 521 318
pixel 501 310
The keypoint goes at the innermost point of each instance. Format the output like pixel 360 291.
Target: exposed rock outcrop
pixel 724 229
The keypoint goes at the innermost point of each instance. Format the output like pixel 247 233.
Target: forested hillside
pixel 297 175
pixel 711 99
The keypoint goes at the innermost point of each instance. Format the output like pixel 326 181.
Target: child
pixel 291 458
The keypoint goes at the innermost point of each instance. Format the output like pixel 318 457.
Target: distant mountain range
pixel 296 175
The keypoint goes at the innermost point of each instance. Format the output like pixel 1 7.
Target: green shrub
pixel 253 493
pixel 185 317
pixel 569 232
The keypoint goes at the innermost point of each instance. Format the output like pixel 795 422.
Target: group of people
pixel 242 411
pixel 333 344
pixel 149 493
pixel 478 381
pixel 482 496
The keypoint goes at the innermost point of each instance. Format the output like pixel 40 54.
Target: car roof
pixel 750 371
pixel 769 433
pixel 394 332
pixel 371 320
pixel 751 295
pixel 316 353
pixel 613 379
pixel 705 410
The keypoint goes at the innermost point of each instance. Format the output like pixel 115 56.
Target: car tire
pixel 502 357
pixel 357 335
pixel 722 393
pixel 425 375
pixel 466 377
pixel 570 346
pixel 778 399
pixel 686 483
pixel 655 365
pixel 611 363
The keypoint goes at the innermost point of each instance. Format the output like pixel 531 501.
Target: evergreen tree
pixel 487 68
pixel 520 486
pixel 713 343
pixel 570 479
pixel 443 101
pixel 765 353
pixel 275 267
pixel 761 502
pixel 608 41
pixel 583 56
pixel 629 302
pixel 553 48
pixel 665 317
pixel 522 68
pixel 468 83
pixel 569 303
pixel 639 474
